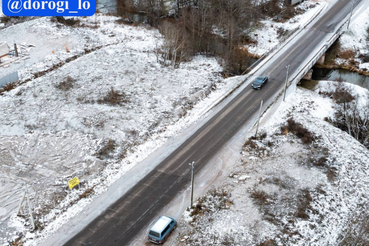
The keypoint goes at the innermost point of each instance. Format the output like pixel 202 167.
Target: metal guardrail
pixel 300 74
pixel 303 71
pixel 266 57
pixel 286 40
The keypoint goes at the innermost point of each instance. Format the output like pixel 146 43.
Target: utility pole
pixel 26 195
pixel 257 126
pixel 192 181
pixel 30 209
pixel 285 87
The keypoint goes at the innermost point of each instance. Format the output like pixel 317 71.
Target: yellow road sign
pixel 73 182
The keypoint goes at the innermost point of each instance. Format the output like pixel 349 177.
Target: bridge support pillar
pixel 309 75
pixel 321 60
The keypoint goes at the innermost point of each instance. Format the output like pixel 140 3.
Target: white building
pixel 4 49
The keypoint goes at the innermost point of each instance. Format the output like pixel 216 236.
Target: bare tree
pixel 350 116
pixel 173 51
pixel 357 231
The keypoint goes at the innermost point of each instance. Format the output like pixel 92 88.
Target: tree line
pixel 210 27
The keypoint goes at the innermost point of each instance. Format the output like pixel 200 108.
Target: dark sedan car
pixel 259 82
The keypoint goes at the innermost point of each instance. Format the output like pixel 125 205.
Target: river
pixel 341 75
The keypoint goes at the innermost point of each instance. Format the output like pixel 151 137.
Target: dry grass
pixel 68 22
pixel 114 97
pixel 347 54
pixel 66 84
pixel 261 198
pixel 299 130
pixel 304 204
pixel 268 242
pixel 107 149
pixel 8 87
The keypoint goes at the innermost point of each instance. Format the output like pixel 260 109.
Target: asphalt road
pixel 119 224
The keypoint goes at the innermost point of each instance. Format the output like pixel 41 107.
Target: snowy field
pixel 283 191
pixel 88 116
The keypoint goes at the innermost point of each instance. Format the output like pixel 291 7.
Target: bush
pixel 5 19
pixel 346 54
pixel 261 197
pixel 342 95
pixel 107 149
pixel 299 130
pixel 114 98
pixel 249 142
pixel 364 57
pixel 66 84
pixel 238 60
pixel 269 242
pixel 67 22
pixel 8 87
pixel 357 228
pixel 331 174
pixel 304 204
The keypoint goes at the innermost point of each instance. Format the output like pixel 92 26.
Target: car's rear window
pixel 154 233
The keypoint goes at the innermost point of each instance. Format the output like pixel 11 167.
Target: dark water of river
pixel 341 75
pixel 107 6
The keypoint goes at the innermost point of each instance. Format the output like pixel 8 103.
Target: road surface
pixel 120 223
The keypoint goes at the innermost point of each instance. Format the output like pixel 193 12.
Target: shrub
pixel 67 22
pixel 285 183
pixel 268 242
pixel 357 228
pixel 8 87
pixel 331 175
pixel 346 54
pixel 364 57
pixel 261 197
pixel 106 150
pixel 237 60
pixel 66 84
pixel 299 130
pixel 321 161
pixel 304 204
pixel 114 97
pixel 249 142
pixel 342 95
pixel 5 19
pixel 263 135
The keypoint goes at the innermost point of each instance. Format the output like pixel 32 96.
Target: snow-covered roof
pixel 162 222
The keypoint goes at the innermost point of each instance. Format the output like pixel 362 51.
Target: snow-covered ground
pixel 96 103
pixel 93 117
pixel 285 192
pixel 270 33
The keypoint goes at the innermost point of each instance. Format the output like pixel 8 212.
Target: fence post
pixel 15 50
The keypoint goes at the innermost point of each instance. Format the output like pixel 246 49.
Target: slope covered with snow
pixel 287 189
